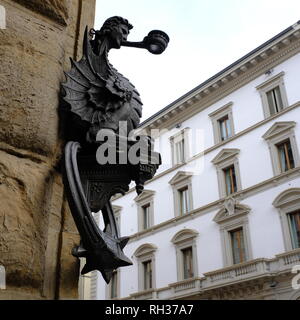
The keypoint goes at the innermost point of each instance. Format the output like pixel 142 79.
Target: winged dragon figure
pixel 96 96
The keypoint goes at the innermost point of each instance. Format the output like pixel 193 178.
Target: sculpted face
pixel 118 34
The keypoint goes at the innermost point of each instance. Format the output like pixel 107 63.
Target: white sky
pixel 205 37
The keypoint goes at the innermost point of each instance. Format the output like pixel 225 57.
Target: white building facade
pixel 221 217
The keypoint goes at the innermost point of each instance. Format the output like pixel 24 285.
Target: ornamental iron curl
pixel 97 97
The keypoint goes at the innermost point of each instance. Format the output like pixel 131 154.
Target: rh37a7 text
pixel 152 309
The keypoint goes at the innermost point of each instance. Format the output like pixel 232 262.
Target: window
pixel 147 268
pixel 187 259
pixel 273 95
pixel 146 216
pixel 145 209
pixel 184 200
pixel 145 255
pixel 182 193
pixel 285 154
pixel 230 180
pixel 186 253
pixel 228 173
pixel 274 100
pixel 237 245
pixel 234 228
pixel 224 127
pixel 179 147
pixel 283 147
pixel 179 151
pixel 288 206
pixel 222 121
pixel 294 222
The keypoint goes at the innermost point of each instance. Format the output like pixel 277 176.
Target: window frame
pixel 182 240
pixel 278 133
pixel 182 135
pixel 145 198
pixel 145 284
pixel 287 202
pixel 181 180
pixel 231 232
pixel 232 216
pixel 144 253
pixel 267 86
pixel 225 159
pixel 218 115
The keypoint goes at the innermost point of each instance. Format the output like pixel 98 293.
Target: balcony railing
pixel 238 273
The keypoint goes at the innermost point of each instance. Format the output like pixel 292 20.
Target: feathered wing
pixel 90 96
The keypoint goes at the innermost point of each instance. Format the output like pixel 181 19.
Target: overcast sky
pixel 205 37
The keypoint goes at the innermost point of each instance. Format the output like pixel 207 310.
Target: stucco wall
pixel 37 232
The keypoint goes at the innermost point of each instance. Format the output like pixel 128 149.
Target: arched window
pixel 146 266
pixel 288 205
pixel 186 254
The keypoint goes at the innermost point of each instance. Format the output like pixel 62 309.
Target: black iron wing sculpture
pixel 96 98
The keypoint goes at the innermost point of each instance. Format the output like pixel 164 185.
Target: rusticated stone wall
pixel 37 231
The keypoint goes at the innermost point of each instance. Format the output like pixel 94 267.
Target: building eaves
pixel 190 93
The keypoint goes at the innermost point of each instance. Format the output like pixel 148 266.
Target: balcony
pixel 239 273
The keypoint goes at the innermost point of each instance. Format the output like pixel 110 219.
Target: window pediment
pixel 184 235
pixel 231 209
pixel 146 194
pixel 287 197
pixel 145 249
pixel 224 155
pixel 180 176
pixel 278 128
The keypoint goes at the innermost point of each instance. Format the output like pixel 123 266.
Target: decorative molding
pixel 279 128
pixel 221 110
pixel 224 155
pixel 232 209
pixel 180 176
pixel 270 80
pixel 145 249
pixel 287 197
pixel 184 235
pixel 144 195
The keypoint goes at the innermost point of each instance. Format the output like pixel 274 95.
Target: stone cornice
pixel 240 74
